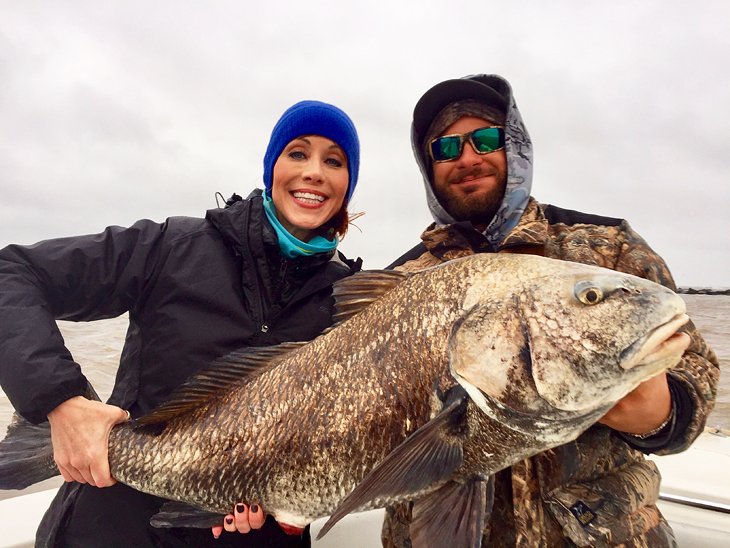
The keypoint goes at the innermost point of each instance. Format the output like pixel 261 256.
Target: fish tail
pixel 26 454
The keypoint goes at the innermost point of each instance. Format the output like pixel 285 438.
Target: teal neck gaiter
pixel 290 246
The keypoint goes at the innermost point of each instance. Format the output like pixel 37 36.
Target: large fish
pixel 429 384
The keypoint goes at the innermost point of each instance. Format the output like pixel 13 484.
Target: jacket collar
pixel 448 241
pixel 245 228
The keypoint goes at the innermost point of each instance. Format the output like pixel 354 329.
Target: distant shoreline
pixel 703 291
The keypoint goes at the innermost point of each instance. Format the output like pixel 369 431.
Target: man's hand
pixel 80 436
pixel 643 409
pixel 242 520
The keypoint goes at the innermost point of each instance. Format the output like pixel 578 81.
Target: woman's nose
pixel 312 170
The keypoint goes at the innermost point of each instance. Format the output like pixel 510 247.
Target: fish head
pixel 554 340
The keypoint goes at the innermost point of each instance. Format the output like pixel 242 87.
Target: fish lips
pixel 654 348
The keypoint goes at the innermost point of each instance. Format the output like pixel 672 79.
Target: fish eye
pixel 588 293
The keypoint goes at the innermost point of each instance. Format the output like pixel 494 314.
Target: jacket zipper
pixel 251 274
pixel 276 297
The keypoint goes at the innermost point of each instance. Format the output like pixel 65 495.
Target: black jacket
pixel 195 289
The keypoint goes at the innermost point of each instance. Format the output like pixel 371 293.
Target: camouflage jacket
pixel 597 490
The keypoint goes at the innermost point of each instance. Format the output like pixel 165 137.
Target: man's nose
pixel 469 156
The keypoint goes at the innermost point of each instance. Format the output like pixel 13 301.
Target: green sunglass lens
pixel 488 139
pixel 446 148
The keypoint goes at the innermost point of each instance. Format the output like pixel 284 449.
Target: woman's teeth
pixel 308 197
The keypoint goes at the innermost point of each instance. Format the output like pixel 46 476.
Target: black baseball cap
pixel 480 88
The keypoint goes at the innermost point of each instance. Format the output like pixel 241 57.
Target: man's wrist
pixel 668 424
pixel 673 434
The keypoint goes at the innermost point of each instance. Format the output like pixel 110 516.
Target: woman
pixel 258 272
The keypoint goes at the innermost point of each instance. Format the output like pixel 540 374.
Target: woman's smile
pixel 309 198
pixel 310 182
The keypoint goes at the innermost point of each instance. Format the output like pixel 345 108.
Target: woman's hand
pixel 80 436
pixel 643 409
pixel 242 520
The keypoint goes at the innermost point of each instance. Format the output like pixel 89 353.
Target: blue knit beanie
pixel 314 118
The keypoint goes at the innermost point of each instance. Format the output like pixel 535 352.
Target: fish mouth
pixel 658 344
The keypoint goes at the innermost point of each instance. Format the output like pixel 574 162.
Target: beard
pixel 480 208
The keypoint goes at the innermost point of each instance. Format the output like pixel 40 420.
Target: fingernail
pixel 229 520
pixel 216 536
pixel 240 508
pixel 254 508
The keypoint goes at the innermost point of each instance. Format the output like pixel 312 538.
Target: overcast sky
pixel 115 111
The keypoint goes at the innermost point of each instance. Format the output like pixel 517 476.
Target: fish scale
pixel 327 414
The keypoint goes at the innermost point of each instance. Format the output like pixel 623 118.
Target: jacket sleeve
pixel 80 278
pixel 698 371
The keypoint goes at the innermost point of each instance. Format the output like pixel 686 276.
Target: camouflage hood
pixel 518 148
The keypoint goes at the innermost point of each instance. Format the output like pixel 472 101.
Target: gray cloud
pixel 114 112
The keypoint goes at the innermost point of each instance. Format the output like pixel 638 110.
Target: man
pixel 476 159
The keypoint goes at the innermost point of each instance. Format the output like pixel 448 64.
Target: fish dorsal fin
pixel 237 368
pixel 356 292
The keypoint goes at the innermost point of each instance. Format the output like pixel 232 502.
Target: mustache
pixel 474 172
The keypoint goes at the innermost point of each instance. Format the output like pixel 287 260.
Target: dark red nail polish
pixel 229 520
pixel 254 508
pixel 240 508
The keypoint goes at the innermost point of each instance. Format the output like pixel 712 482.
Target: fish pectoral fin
pixel 454 515
pixel 180 514
pixel 427 457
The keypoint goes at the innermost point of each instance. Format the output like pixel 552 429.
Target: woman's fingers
pixel 100 474
pixel 240 514
pixel 80 436
pixel 243 520
pixel 70 474
pixel 256 516
pixel 228 524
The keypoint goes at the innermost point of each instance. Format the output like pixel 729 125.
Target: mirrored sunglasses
pixel 483 140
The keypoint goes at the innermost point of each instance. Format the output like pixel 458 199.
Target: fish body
pixel 450 375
